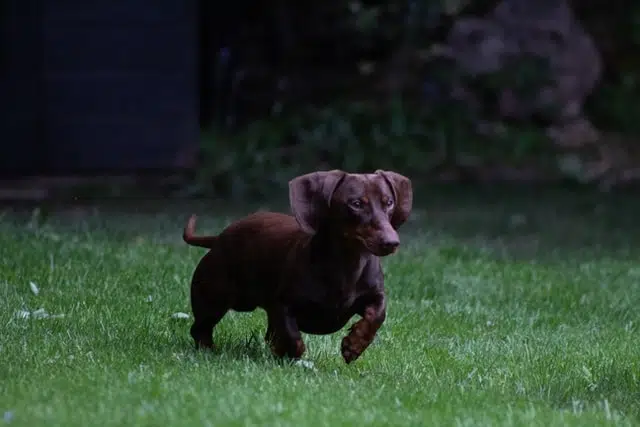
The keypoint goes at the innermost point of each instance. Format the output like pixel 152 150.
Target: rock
pixel 507 45
pixel 574 134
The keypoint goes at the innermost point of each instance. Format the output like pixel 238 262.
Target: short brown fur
pixel 311 272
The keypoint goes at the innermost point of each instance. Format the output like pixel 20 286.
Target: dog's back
pixel 247 259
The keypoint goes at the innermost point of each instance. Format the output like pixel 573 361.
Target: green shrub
pixel 269 152
pixel 357 137
pixel 614 106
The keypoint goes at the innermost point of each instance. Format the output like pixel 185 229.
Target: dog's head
pixel 365 208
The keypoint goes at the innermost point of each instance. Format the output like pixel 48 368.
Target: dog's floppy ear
pixel 310 196
pixel 403 193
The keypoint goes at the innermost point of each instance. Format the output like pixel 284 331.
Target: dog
pixel 311 271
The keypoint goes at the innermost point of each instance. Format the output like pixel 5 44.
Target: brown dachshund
pixel 310 272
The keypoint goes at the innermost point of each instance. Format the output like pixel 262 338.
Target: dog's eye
pixel 356 204
pixel 389 203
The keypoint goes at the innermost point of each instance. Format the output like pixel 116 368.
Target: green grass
pixel 506 308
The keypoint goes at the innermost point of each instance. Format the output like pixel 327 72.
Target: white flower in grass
pixel 180 315
pixel 34 288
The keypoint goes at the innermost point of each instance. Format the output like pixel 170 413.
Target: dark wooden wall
pixel 91 85
pixel 21 86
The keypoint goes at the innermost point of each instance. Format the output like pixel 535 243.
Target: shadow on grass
pixel 249 345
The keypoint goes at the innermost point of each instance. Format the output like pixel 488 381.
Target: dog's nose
pixel 390 245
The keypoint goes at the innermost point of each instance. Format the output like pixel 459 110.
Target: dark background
pixel 239 97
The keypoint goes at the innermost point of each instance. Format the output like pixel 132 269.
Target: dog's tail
pixel 200 241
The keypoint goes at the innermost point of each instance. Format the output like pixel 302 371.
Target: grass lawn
pixel 506 308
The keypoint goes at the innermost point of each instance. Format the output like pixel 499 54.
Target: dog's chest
pixel 324 299
pixel 328 290
pixel 324 308
pixel 336 293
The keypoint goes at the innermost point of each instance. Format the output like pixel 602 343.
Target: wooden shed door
pixel 121 82
pixel 100 85
pixel 22 148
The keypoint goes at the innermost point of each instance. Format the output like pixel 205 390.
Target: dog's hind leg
pixel 205 319
pixel 209 303
pixel 210 298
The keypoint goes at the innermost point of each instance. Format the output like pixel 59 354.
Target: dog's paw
pixel 359 338
pixel 292 349
pixel 348 352
pixel 204 346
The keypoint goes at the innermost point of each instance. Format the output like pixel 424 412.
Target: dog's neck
pixel 329 246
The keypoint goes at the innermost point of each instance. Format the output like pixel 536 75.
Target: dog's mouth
pixel 374 247
pixel 381 250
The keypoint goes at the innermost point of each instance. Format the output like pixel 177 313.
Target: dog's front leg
pixel 283 335
pixel 362 333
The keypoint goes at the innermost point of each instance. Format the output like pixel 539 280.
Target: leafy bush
pixel 615 105
pixel 363 136
pixel 357 137
pixel 354 137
